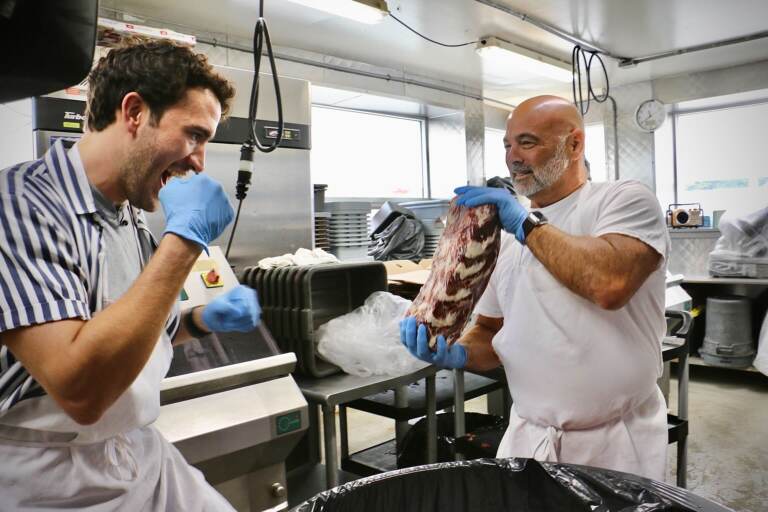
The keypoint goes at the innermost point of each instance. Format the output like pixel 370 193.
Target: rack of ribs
pixel 461 267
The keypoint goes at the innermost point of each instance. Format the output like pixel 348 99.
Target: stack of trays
pixel 322 238
pixel 348 229
pixel 433 230
pixel 432 213
pixel 295 301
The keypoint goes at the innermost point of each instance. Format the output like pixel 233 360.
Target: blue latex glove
pixel 415 340
pixel 236 310
pixel 196 208
pixel 511 212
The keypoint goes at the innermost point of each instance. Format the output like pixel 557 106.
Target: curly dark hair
pixel 161 71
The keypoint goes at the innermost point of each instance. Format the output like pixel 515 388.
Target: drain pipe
pixel 615 139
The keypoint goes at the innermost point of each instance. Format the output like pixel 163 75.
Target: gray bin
pixel 728 337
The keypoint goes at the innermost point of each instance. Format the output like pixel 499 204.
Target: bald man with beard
pixel 574 310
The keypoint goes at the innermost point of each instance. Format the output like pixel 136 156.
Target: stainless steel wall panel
pixel 474 133
pixel 295 94
pixel 636 150
pixel 217 55
pixel 717 82
pixel 276 216
pixel 446 146
pixel 690 251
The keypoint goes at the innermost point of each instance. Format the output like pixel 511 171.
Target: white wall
pixel 15 132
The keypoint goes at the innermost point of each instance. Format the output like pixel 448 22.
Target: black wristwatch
pixel 534 219
pixel 193 329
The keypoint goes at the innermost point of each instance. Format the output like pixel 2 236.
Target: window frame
pixel 674 117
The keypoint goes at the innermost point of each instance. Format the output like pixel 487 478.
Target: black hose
pixel 579 57
pixel 260 37
pixel 234 227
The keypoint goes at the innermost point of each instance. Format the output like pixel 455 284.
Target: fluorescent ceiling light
pixel 516 57
pixel 364 11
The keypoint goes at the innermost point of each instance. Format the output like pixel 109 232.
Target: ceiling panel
pixel 627 27
pixel 632 27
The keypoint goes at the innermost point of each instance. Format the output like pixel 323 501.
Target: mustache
pixel 520 168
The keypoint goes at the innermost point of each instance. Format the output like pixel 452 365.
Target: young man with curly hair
pixel 89 300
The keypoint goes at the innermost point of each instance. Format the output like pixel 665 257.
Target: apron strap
pixel 121 461
pixel 35 436
pixel 548 448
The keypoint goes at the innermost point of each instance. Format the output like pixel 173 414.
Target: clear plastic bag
pixel 366 341
pixel 742 249
pixel 761 359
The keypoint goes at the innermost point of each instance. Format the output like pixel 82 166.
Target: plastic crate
pixel 296 301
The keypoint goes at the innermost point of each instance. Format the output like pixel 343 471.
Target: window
pixel 594 151
pixel 719 156
pixel 720 159
pixel 15 133
pixel 495 157
pixel 359 154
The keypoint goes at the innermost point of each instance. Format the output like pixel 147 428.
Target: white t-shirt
pixel 569 363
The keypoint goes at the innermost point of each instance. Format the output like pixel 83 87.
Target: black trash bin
pixel 506 485
pixel 412 451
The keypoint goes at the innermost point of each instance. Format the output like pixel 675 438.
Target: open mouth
pixel 168 174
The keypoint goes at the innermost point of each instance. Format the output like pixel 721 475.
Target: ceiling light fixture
pixel 364 11
pixel 517 57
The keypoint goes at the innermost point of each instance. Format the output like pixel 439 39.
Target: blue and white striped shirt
pixel 52 261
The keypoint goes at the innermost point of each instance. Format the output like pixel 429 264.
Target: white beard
pixel 545 176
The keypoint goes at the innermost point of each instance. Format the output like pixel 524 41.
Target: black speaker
pixel 48 45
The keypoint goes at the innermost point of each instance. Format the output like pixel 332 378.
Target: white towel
pixel 302 257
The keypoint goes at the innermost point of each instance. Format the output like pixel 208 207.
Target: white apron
pixel 632 443
pixel 583 379
pixel 121 462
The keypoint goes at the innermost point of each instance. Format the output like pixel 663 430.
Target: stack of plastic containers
pixel 295 301
pixel 432 213
pixel 322 238
pixel 348 229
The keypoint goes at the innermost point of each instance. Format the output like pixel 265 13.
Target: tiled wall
pixel 690 251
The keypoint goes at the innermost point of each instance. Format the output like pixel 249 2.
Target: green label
pixel 288 422
pixel 70 124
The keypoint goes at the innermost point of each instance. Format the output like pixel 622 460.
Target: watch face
pixel 650 115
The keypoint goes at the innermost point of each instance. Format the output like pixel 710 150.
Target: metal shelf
pixel 724 280
pixel 374 460
pixel 385 403
pixel 698 361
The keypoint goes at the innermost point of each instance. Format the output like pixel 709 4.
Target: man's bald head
pixel 551 113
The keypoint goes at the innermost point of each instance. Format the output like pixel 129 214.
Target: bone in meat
pixel 461 268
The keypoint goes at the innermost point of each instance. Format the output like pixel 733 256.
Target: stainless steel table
pixel 337 390
pixel 677 349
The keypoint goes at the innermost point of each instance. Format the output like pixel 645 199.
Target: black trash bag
pixel 481 443
pixel 402 239
pixel 506 485
pixel 413 449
